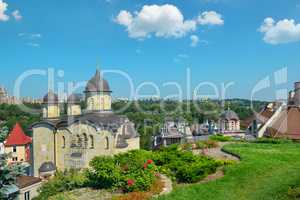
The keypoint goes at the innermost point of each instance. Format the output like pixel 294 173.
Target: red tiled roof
pixel 17 137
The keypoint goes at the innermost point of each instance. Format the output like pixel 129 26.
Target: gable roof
pixel 17 137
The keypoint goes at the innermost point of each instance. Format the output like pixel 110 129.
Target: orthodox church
pixel 72 141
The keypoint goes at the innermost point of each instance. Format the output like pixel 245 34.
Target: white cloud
pixel 194 40
pixel 283 31
pixel 17 15
pixel 161 21
pixel 124 18
pixel 3 9
pixel 210 18
pixel 165 21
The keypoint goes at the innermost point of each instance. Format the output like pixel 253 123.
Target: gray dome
pixel 230 115
pixel 74 99
pixel 50 98
pixel 97 84
pixel 47 167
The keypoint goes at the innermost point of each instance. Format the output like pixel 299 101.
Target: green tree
pixel 3 133
pixel 8 173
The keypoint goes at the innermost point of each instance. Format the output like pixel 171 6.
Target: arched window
pixel 85 141
pixel 106 143
pixel 79 141
pixel 92 142
pixel 63 142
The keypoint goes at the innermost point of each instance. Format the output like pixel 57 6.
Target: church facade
pixel 72 141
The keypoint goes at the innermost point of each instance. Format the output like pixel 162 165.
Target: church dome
pixel 50 98
pixel 47 167
pixel 74 99
pixel 97 84
pixel 230 115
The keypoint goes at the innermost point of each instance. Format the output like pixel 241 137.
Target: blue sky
pixel 238 40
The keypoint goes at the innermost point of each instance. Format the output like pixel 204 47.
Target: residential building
pixel 173 132
pixel 18 145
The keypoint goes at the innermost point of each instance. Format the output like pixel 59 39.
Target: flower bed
pixel 135 173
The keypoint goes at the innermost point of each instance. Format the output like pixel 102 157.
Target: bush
pixel 62 181
pixel 183 166
pixel 220 138
pixel 132 171
pixel 105 173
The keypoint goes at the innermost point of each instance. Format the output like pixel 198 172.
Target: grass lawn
pixel 265 173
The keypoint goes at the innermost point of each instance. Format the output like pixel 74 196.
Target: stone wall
pixel 43 146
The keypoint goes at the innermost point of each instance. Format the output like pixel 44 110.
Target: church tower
pixel 51 108
pixel 74 105
pixel 98 94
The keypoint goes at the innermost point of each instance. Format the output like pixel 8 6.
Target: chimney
pixel 297 94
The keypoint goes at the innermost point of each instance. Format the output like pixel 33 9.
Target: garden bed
pixel 135 174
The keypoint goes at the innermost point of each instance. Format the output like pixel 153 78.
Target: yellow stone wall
pixel 51 111
pixel 20 153
pixel 74 110
pixel 99 102
pixel 44 137
pixel 43 146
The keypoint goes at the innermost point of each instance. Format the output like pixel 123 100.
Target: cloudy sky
pixel 153 42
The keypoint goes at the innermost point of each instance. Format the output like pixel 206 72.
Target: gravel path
pixel 217 153
pixel 168 185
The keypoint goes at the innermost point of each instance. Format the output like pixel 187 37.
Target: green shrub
pixel 132 171
pixel 105 173
pixel 220 138
pixel 183 166
pixel 62 181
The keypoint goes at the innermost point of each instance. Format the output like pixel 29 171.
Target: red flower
pixel 130 182
pixel 149 161
pixel 145 166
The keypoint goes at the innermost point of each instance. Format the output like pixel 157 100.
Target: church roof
pixel 50 98
pixel 74 99
pixel 97 84
pixel 17 137
pixel 102 121
pixel 230 115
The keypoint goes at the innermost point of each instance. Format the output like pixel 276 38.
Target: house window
pixel 92 141
pixel 27 196
pixel 63 142
pixel 14 149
